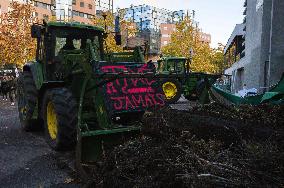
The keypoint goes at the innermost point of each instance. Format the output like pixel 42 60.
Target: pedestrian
pixel 4 85
pixel 11 90
pixel 1 81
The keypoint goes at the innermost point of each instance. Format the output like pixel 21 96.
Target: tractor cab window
pixel 69 49
pixel 180 66
pixel 171 66
pixel 175 65
pixel 40 52
pixel 161 65
pixel 74 41
pixel 67 44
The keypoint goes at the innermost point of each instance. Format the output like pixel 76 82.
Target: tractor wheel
pixel 173 90
pixel 60 119
pixel 194 96
pixel 201 85
pixel 27 100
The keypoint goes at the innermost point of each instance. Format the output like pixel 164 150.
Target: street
pixel 26 160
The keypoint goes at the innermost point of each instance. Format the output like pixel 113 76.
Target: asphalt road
pixel 26 160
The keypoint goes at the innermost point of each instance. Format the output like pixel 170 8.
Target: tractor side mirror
pixel 36 31
pixel 118 39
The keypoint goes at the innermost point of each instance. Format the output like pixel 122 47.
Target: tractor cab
pixel 178 65
pixel 63 45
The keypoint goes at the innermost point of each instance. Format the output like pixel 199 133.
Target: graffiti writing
pixel 132 93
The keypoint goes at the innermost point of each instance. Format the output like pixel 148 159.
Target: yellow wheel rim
pixel 52 121
pixel 23 110
pixel 170 90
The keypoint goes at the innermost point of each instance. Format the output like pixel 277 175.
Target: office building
pixel 61 10
pixel 258 48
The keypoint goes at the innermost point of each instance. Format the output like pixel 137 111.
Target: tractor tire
pixel 60 119
pixel 200 85
pixel 27 97
pixel 172 89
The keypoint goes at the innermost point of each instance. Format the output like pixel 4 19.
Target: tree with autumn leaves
pixel 186 38
pixel 108 23
pixel 16 45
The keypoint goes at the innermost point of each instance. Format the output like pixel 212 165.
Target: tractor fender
pixel 44 87
pixel 37 71
pixel 50 85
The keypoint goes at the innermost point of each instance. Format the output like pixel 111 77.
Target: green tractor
pixel 193 85
pixel 79 95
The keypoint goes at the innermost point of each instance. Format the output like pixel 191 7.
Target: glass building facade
pixel 148 20
pixel 149 17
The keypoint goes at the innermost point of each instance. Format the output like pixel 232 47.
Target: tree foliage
pixel 108 23
pixel 218 58
pixel 16 44
pixel 187 37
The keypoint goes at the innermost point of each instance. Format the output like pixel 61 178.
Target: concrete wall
pixel 252 69
pixel 257 46
pixel 277 58
pixel 275 37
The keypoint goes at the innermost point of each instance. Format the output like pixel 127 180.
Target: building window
pixel 81 4
pixel 165 28
pixel 90 6
pixel 73 2
pixel 90 16
pixel 165 35
pixel 75 13
pixel 81 14
pixel 165 42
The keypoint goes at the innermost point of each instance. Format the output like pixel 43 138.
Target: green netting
pixel 228 96
pixel 275 95
pixel 269 95
pixel 279 87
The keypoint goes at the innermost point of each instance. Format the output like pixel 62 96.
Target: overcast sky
pixel 217 17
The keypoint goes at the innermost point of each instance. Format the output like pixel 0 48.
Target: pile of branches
pixel 176 151
pixel 263 114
